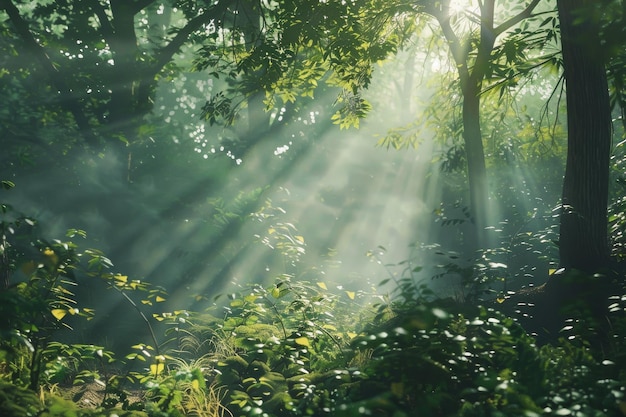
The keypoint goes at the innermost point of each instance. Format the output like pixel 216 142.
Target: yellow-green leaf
pixel 302 341
pixel 251 298
pixel 551 271
pixel 351 294
pixel 157 368
pixel 322 285
pixel 58 313
pixel 159 299
pixel 121 278
pixel 351 335
pixel 275 292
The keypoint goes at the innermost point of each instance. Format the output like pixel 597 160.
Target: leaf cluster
pixel 44 283
pixel 299 45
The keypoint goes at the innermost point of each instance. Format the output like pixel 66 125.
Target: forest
pixel 277 208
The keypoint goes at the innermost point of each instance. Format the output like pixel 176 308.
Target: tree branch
pixel 105 23
pixel 68 99
pixel 141 4
pixel 457 49
pixel 166 53
pixel 517 18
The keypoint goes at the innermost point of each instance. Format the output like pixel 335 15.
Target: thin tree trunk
pixel 583 236
pixel 476 168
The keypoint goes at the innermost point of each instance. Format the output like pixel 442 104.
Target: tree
pixel 339 42
pixel 583 236
pixel 102 60
pixel 583 242
pixel 473 66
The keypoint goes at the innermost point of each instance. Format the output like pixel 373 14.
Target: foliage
pixel 521 247
pixel 34 307
pixel 617 206
pixel 297 348
pixel 295 49
pixel 430 356
pixel 292 349
pixel 39 299
pixel 277 350
pixel 19 402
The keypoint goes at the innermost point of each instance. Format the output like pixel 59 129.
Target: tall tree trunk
pixel 471 83
pixel 476 168
pixel 583 236
pixel 123 42
pixel 471 77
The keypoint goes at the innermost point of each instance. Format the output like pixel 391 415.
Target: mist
pixel 315 202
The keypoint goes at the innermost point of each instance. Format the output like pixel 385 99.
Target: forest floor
pixel 93 395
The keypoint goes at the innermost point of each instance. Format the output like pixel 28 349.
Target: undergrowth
pixel 289 348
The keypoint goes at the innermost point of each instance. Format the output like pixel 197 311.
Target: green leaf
pixel 7 185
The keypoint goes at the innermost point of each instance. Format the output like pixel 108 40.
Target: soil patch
pixel 94 394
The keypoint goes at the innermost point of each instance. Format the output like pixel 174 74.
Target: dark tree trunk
pixel 123 42
pixel 573 292
pixel 583 238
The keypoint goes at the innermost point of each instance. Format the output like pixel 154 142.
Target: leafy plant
pixel 428 356
pixel 277 350
pixel 39 299
pixel 37 304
